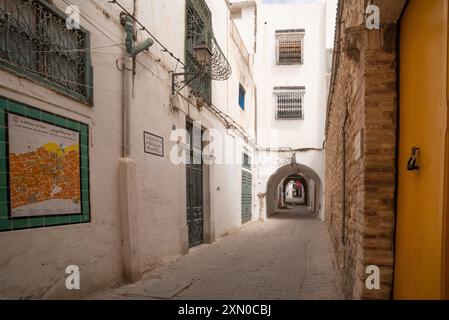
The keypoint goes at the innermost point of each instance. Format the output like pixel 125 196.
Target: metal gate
pixel 194 171
pixel 247 195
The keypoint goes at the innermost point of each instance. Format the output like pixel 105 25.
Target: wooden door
pixel 194 178
pixel 422 125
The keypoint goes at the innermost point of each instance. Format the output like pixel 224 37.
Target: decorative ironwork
pixel 247 196
pixel 201 14
pixel 246 161
pixel 36 43
pixel 194 180
pixel 221 69
pixel 199 31
pixel 247 188
pixel 290 45
pixel 289 102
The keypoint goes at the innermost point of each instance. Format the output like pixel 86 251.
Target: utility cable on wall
pixel 54 77
pixel 94 24
pixel 90 50
pixel 229 121
pixel 143 28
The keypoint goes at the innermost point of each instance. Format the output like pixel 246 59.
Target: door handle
pixel 412 162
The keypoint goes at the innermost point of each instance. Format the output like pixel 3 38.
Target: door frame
pixel 208 217
pixel 445 247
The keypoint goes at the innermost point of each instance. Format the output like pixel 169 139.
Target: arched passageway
pixel 294 190
pixel 295 186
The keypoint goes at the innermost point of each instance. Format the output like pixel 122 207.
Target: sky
pixel 331 12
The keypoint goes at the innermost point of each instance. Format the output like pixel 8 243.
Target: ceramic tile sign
pixel 44 168
pixel 44 162
pixel 153 144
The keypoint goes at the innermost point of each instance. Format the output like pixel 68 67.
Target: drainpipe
pixel 128 74
pixel 129 202
pixel 127 80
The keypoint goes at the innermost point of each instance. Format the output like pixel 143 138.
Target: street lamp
pixel 203 55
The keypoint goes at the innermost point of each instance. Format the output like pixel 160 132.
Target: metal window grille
pixel 35 43
pixel 198 30
pixel 290 47
pixel 289 102
pixel 246 161
pixel 247 196
pixel 247 187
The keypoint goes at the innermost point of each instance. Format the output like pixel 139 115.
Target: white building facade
pixel 136 206
pixel 291 88
pixel 109 165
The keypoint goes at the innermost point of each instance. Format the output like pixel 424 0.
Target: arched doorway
pixel 295 190
pixel 305 179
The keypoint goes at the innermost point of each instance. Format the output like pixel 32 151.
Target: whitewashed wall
pixel 245 23
pixel 33 261
pixel 296 134
pixel 311 17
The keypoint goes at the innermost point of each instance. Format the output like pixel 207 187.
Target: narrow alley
pixel 289 257
pixel 171 150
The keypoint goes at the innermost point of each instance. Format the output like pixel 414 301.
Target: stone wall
pixel 360 149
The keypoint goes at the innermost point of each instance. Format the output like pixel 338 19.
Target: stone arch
pixel 283 172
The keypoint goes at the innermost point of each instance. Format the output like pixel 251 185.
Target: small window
pixel 242 94
pixel 289 103
pixel 290 46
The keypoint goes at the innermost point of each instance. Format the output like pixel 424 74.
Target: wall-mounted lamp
pixel 203 55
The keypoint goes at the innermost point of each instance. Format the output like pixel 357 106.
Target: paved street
pixel 287 257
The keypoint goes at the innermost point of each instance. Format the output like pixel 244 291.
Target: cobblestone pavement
pixel 287 257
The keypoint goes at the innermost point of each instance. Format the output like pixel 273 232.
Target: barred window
pixel 289 102
pixel 290 46
pixel 198 30
pixel 35 43
pixel 246 160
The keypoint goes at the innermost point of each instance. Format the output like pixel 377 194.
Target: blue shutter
pixel 242 93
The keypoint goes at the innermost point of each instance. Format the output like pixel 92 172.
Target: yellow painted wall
pixel 423 122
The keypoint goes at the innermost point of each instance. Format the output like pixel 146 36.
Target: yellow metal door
pixel 423 121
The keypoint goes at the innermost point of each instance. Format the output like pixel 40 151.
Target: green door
pixel 194 188
pixel 247 188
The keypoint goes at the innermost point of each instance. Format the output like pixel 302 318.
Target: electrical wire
pixel 94 24
pixel 153 73
pixel 80 50
pixel 71 50
pixel 53 77
pixel 165 49
pixel 87 18
pixel 230 122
